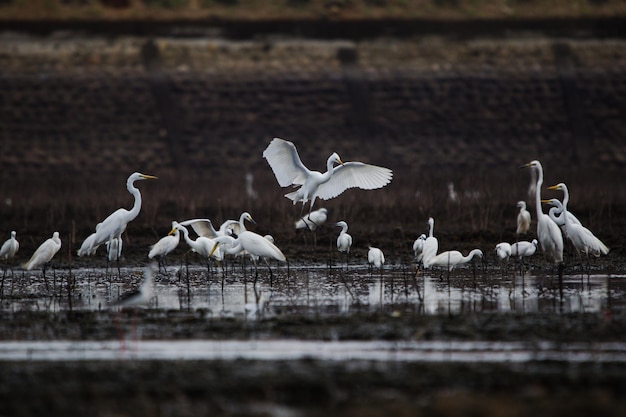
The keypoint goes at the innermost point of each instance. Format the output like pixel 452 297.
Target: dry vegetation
pixel 306 9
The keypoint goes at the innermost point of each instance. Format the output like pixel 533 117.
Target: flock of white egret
pixel 232 238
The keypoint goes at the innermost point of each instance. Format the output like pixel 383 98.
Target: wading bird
pixel 503 251
pixel 418 248
pixel 583 239
pixel 548 232
pixel 523 219
pixel 283 158
pixel 141 297
pixel 556 214
pixel 314 220
pixel 115 224
pixel 524 249
pixel 202 245
pixel 253 244
pixel 9 247
pixel 431 244
pixel 88 248
pixel 344 240
pixel 375 258
pixel 164 246
pixel 44 254
pixel 452 258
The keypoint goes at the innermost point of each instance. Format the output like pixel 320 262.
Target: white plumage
pixel 548 232
pixel 344 240
pixel 44 253
pixel 114 249
pixel 9 247
pixel 524 249
pixel 165 245
pixel 375 257
pixel 285 162
pixel 88 248
pixel 431 244
pixel 202 245
pixel 451 259
pixel 503 250
pixel 314 220
pixel 418 247
pixel 523 218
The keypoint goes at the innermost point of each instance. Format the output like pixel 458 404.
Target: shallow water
pixel 319 290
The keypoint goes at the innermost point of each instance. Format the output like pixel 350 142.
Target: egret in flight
pixel 283 158
pixel 115 224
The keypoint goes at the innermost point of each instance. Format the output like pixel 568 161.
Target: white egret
pixel 523 218
pixel 548 233
pixel 164 246
pixel 114 249
pixel 431 244
pixel 9 247
pixel 453 258
pixel 88 248
pixel 418 248
pixel 314 220
pixel 253 244
pixel 524 249
pixel 344 240
pixel 283 158
pixel 375 257
pixel 44 254
pixel 115 224
pixel 583 239
pixel 503 251
pixel 202 245
pixel 556 214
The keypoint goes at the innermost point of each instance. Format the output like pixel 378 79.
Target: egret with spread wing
pixel 283 158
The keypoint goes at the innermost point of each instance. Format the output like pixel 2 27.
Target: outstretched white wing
pixel 354 174
pixel 285 162
pixel 203 227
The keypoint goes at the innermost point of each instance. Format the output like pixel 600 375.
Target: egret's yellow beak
pixel 339 161
pixel 149 177
pixel 546 201
pixel 553 187
pixel 526 165
pixel 214 249
pixel 172 231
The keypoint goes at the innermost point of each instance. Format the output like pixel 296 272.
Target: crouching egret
pixel 375 257
pixel 44 254
pixel 164 246
pixel 285 162
pixel 503 251
pixel 314 220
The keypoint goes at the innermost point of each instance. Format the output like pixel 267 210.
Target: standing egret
pixel 115 224
pixel 524 249
pixel 548 232
pixel 431 244
pixel 7 251
pixel 44 254
pixel 557 213
pixel 252 243
pixel 583 239
pixel 283 158
pixel 503 252
pixel 164 246
pixel 9 247
pixel 418 248
pixel 523 219
pixel 344 240
pixel 202 245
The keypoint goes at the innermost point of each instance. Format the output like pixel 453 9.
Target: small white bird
pixel 164 246
pixel 503 251
pixel 44 254
pixel 523 218
pixel 344 240
pixel 451 259
pixel 9 247
pixel 431 244
pixel 314 220
pixel 418 247
pixel 375 257
pixel 285 162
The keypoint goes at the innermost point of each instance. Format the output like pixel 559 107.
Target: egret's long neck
pixel 329 169
pixel 190 242
pixel 431 229
pixel 134 212
pixel 242 226
pixel 565 198
pixel 344 229
pixel 538 190
pixel 564 211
